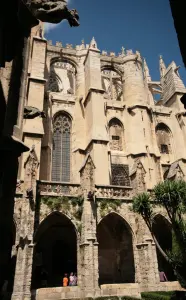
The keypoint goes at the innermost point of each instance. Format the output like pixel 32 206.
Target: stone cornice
pixel 115 106
pixel 92 90
pixel 141 106
pixel 37 79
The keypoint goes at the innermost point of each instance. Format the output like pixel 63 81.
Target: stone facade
pixel 104 139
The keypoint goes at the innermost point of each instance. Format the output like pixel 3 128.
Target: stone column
pixel 23 273
pixel 89 245
pixel 148 266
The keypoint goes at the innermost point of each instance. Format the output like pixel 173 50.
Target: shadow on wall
pixel 116 258
pixel 2 108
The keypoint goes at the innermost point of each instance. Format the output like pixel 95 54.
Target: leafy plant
pixel 65 203
pixel 171 195
pixel 155 296
pixel 106 204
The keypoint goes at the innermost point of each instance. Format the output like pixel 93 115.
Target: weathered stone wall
pixel 70 80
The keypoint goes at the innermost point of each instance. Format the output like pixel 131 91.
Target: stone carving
pixel 61 189
pixel 175 172
pixel 137 175
pixel 33 112
pixel 52 11
pixel 162 66
pixel 87 174
pixel 111 192
pixel 31 164
pixel 25 15
pixel 64 65
pixel 19 187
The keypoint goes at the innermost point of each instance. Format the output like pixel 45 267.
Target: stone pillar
pixel 23 273
pixel 33 129
pixel 148 266
pixel 96 134
pixel 89 245
pixel 133 83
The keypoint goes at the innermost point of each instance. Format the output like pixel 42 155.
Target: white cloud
pixel 49 27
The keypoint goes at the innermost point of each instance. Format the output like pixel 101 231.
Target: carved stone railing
pixel 48 188
pixel 114 192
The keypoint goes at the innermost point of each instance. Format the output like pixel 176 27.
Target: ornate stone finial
pixel 104 52
pixel 93 44
pixel 50 42
pixel 69 46
pixel 82 44
pixel 162 67
pixel 123 51
pixel 113 54
pixel 58 44
pixel 129 52
pixel 146 71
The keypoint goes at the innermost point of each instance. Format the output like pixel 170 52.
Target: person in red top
pixel 65 280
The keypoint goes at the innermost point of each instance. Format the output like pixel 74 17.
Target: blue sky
pixel 144 25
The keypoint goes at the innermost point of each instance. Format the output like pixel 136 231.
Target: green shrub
pixel 107 298
pixel 128 298
pixel 155 296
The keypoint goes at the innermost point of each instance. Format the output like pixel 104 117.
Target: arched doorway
pixel 116 259
pixel 163 233
pixel 55 252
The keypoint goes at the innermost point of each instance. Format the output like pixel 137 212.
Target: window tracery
pixel 55 83
pixel 120 175
pixel 112 84
pixel 61 148
pixel 62 78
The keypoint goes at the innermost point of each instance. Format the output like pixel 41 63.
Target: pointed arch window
pixel 116 135
pixel 61 148
pixel 163 135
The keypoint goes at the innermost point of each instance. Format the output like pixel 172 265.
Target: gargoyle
pixel 33 112
pixel 18 17
pixel 52 11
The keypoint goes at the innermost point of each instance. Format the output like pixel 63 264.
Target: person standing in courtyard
pixel 71 279
pixel 163 277
pixel 75 279
pixel 65 280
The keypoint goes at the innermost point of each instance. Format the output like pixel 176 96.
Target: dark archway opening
pixel 163 233
pixel 55 253
pixel 116 259
pixel 9 272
